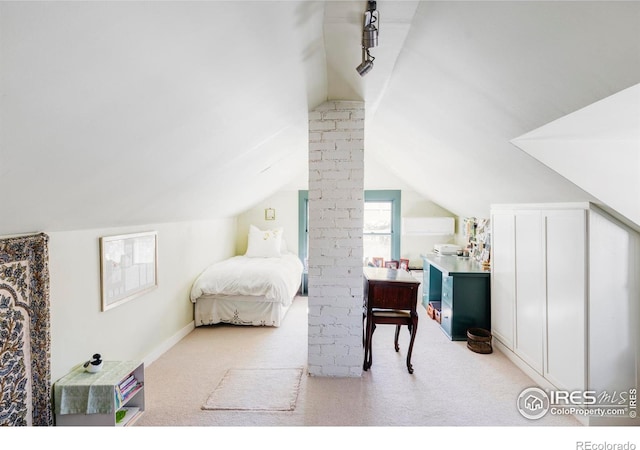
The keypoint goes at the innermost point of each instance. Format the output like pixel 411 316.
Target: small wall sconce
pixel 269 214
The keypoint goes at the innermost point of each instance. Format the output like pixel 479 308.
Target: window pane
pixel 377 230
pixel 377 217
pixel 376 247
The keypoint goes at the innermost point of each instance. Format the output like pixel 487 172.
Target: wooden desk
pixel 391 297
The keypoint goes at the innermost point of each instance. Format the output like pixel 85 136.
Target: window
pixel 303 227
pixel 381 230
pixel 376 239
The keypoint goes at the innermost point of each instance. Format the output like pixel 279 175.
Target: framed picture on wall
pixel 128 267
pixel 269 214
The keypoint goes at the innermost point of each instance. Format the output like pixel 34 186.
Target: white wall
pixel 412 246
pixel 285 204
pixel 377 176
pixel 143 327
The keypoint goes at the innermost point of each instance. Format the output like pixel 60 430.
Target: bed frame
pixel 239 310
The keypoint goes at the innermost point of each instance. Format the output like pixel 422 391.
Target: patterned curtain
pixel 25 374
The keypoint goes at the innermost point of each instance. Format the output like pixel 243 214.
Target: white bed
pixel 252 289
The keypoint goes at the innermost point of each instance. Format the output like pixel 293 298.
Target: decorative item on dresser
pixel 477 236
pixel 377 261
pixel 392 264
pixel 256 288
pixel 94 364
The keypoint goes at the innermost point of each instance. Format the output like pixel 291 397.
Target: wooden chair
pixel 395 317
pixel 390 298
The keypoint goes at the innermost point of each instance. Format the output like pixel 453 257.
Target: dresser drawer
pixel 447 303
pixel 446 319
pixel 447 289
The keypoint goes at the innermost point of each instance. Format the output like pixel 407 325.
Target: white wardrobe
pixel 565 302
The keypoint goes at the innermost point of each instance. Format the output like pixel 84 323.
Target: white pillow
pixel 264 243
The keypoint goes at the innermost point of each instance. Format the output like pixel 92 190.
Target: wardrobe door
pixel 566 298
pixel 530 288
pixel 503 277
pixel 614 312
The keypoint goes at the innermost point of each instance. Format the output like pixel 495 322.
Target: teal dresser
pixel 464 289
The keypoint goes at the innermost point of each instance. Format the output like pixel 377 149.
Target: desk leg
pixel 365 340
pixel 396 339
pixel 368 359
pixel 364 329
pixel 414 328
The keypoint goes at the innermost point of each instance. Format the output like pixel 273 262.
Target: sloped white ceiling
pixel 123 113
pixel 597 147
pixel 474 75
pixel 120 113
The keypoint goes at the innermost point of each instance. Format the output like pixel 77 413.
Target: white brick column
pixel 336 204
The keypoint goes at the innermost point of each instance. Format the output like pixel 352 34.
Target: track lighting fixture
pixel 366 65
pixel 369 37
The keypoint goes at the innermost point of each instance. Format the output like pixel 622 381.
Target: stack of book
pixel 126 388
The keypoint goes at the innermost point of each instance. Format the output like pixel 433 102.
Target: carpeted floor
pixel 451 386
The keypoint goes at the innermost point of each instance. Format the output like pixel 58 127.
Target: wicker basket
pixel 479 340
pixel 432 308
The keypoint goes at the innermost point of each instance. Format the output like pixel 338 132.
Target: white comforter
pixel 278 279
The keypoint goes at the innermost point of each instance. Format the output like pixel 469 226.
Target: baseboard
pixel 541 382
pixel 526 368
pixel 166 345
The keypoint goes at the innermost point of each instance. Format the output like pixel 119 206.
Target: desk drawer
pixel 396 297
pixel 447 288
pixel 446 319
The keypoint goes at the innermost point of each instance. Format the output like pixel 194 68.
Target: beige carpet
pixel 256 390
pixel 454 399
pixel 450 386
